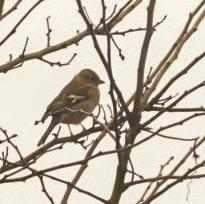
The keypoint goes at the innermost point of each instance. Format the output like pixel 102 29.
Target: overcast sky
pixel 26 92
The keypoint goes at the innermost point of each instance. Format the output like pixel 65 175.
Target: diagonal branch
pixel 14 7
pixel 173 55
pixel 19 22
pixel 176 77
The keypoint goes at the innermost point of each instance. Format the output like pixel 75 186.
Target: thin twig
pixel 13 30
pixel 48 34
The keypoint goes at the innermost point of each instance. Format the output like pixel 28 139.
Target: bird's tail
pixel 53 123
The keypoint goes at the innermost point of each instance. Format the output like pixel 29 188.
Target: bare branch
pixel 75 39
pixel 44 189
pixel 176 77
pixel 174 51
pixel 48 34
pixel 131 30
pixel 155 179
pixel 189 171
pixel 13 8
pixel 142 61
pixel 185 94
pixel 177 110
pixel 60 64
pixel 13 30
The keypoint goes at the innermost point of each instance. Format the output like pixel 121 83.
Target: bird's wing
pixel 68 97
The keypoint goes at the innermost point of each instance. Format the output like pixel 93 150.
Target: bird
pixel 81 93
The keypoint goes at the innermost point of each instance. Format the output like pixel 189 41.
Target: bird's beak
pixel 101 81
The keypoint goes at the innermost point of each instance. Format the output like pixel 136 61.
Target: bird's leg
pixel 57 133
pixel 84 129
pixel 71 134
pixel 81 142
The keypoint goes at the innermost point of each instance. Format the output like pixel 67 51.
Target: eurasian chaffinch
pixel 81 93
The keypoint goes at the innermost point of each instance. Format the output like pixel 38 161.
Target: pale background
pixel 25 93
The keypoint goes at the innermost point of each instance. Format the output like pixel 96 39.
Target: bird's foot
pixel 38 121
pixel 81 142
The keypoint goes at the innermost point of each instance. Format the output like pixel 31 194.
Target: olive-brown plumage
pixel 81 93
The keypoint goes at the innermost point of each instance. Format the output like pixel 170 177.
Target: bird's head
pixel 90 77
